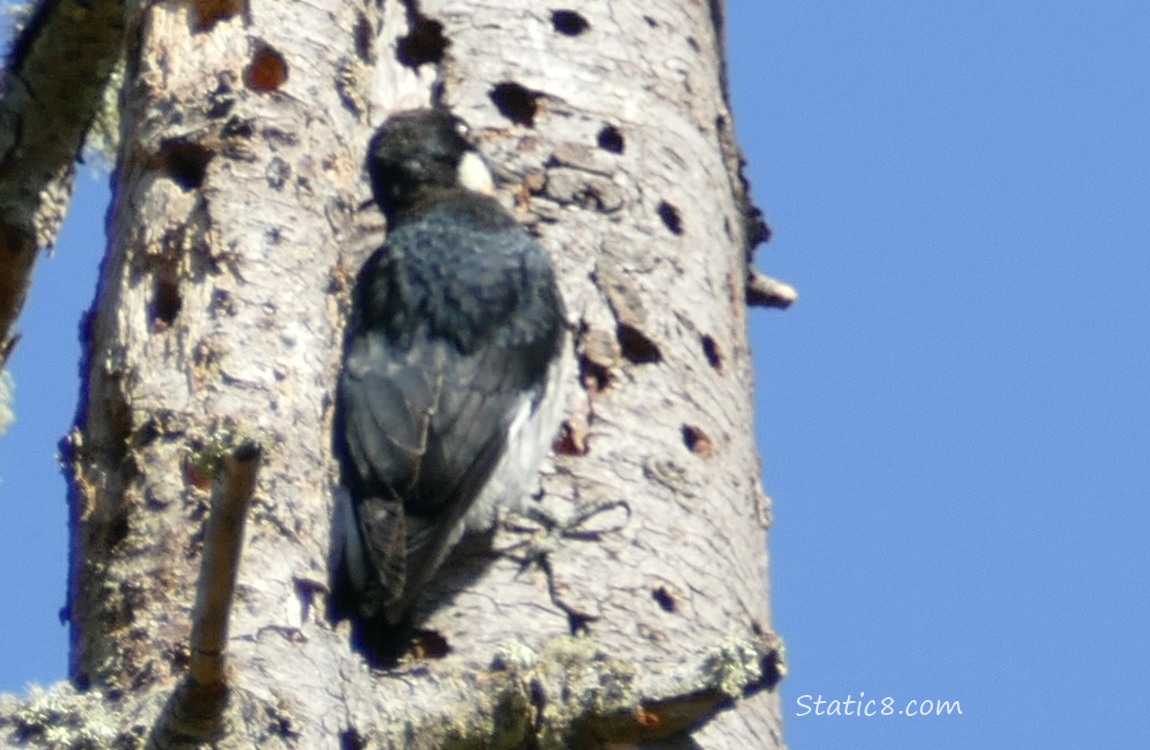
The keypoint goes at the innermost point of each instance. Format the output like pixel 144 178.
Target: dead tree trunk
pixel 239 219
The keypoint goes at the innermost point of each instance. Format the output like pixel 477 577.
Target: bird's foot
pixel 580 521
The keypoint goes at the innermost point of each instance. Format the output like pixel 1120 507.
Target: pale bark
pixel 239 220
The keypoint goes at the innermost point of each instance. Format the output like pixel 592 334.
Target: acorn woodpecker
pixel 449 394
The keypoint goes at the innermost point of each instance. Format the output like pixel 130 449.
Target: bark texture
pixel 51 89
pixel 238 224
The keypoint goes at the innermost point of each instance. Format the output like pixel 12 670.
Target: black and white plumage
pixel 448 398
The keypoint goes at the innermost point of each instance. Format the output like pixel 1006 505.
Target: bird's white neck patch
pixel 473 174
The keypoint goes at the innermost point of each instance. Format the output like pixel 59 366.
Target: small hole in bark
pixel 221 107
pixel 610 139
pixel 424 43
pixel 238 127
pixel 429 644
pixel 570 442
pixel 516 103
pixel 222 303
pixel 636 347
pixel 277 173
pixel 697 441
pixel 278 724
pixel 594 376
pixel 118 529
pixel 351 740
pixel 538 695
pixel 211 12
pixel 664 599
pixel 693 43
pixel 148 433
pixel 711 351
pixel 651 21
pixel 166 301
pixel 671 218
pixel 267 71
pixel 185 162
pixel 569 22
pixel 364 37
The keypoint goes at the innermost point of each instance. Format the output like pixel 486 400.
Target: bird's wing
pixel 424 427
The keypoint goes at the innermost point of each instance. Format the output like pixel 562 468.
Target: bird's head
pixel 420 151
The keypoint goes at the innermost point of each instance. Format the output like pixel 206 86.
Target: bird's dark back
pixel 462 270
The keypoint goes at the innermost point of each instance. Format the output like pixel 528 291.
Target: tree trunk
pixel 240 218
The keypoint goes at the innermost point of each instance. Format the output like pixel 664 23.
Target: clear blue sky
pixel 955 416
